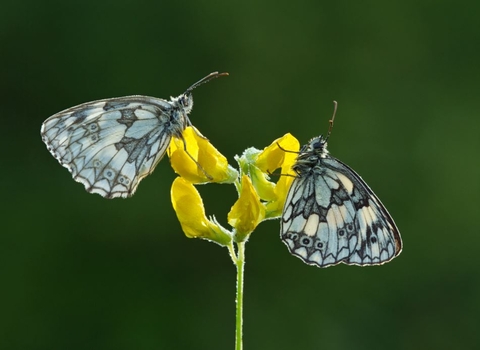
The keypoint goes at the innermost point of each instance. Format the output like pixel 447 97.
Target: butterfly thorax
pixel 310 156
pixel 174 122
pixel 177 119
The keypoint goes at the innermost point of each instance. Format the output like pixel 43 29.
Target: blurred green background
pixel 82 272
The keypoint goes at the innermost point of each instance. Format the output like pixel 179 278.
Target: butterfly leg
pixel 208 176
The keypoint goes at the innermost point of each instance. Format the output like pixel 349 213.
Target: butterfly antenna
pixel 205 80
pixel 331 120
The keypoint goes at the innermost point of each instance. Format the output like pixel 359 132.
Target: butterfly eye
pixel 318 144
pixel 186 101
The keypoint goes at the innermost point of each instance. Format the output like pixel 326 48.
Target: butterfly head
pixel 310 155
pixel 185 102
pixel 314 149
pixel 317 145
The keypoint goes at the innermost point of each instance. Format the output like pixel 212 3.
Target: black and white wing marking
pixel 331 216
pixel 111 145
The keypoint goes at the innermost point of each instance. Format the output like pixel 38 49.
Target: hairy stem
pixel 240 263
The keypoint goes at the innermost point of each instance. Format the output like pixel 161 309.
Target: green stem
pixel 239 319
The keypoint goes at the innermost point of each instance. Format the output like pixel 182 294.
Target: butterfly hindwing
pixel 331 216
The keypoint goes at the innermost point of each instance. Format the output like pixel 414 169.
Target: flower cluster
pixel 259 198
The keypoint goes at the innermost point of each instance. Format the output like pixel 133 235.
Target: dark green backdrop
pixel 82 272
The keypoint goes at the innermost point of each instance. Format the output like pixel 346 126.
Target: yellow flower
pixel 274 157
pixel 215 165
pixel 247 163
pixel 190 211
pixel 247 212
pixel 267 161
pixel 259 198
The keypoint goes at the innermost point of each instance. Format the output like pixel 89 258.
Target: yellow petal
pixel 215 165
pixel 274 157
pixel 260 180
pixel 281 153
pixel 264 188
pixel 274 208
pixel 188 206
pixel 247 212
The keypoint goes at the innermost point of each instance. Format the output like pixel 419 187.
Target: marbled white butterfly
pixel 110 145
pixel 331 216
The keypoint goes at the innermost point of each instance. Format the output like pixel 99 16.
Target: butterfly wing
pixel 331 216
pixel 111 145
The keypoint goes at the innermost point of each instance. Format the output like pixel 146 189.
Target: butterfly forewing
pixel 331 216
